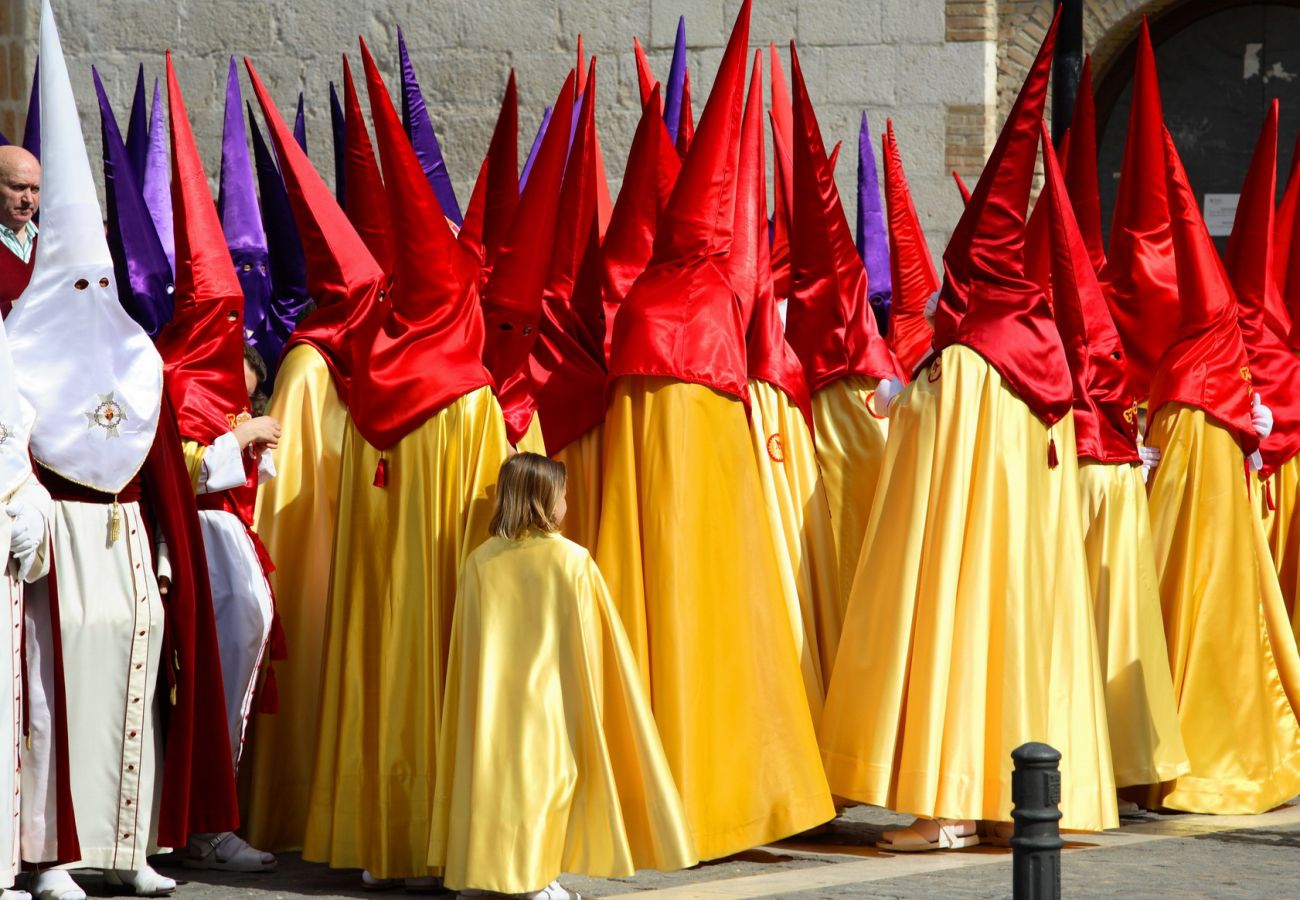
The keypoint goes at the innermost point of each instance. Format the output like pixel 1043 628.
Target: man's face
pixel 20 189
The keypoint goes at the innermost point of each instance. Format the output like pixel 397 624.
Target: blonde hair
pixel 528 489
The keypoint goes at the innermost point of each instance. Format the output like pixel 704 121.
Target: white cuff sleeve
pixel 223 466
pixel 265 467
pixel 162 561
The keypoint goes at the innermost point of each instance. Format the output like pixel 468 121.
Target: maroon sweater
pixel 14 275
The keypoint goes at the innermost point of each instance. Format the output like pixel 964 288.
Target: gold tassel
pixel 173 695
pixel 115 522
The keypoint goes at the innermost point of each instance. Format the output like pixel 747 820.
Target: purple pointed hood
pixel 32 129
pixel 300 124
pixel 137 129
pixel 338 125
pixel 415 119
pixel 676 83
pixel 873 239
pixel 289 296
pixel 537 145
pixel 156 185
pixel 144 277
pixel 237 206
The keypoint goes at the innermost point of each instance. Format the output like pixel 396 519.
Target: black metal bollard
pixel 1036 842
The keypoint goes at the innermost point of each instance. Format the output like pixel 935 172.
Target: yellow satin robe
pixel 969 630
pixel 1145 741
pixel 685 549
pixel 800 521
pixel 548 758
pixel 1231 648
pixel 850 448
pixel 532 441
pixel 295 518
pixel 1278 503
pixel 397 555
pixel 582 461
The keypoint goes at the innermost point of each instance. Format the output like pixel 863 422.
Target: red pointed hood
pixel 203 345
pixel 365 204
pixel 645 77
pixel 770 356
pixel 567 365
pixel 426 350
pixel 961 187
pixel 686 126
pixel 1081 169
pixel 1274 369
pixel 1140 276
pixel 342 276
pixel 1206 364
pixel 987 303
pixel 911 266
pixel 648 180
pixel 1284 220
pixel 1105 410
pixel 512 298
pixel 829 321
pixel 576 197
pixel 782 117
pixel 742 263
pixel 681 318
pixel 492 206
pixel 1286 247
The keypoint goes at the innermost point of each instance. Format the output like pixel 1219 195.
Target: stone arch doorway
pixel 1221 63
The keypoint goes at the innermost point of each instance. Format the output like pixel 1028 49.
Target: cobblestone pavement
pixel 1151 855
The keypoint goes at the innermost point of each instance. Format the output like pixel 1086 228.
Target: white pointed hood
pixel 15 425
pixel 91 373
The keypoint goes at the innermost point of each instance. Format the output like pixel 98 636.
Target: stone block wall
pixel 930 65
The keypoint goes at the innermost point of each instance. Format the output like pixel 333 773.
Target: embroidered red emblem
pixel 776 447
pixel 936 371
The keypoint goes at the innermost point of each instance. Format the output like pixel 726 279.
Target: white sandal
pixel 56 884
pixel 910 840
pixel 141 883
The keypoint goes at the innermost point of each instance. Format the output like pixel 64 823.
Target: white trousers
pixel 241 600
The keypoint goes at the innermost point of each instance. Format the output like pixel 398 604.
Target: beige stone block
pixel 534 25
pixel 861 76
pixel 607 28
pixel 839 22
pixel 208 27
pixel 708 22
pixel 907 21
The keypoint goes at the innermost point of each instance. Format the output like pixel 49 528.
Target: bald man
pixel 20 197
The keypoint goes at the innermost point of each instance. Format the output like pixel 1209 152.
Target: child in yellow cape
pixel 548 757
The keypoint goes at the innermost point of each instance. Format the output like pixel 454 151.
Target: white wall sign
pixel 1219 211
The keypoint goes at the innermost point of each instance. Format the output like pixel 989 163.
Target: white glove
pixel 1255 461
pixel 28 528
pixel 883 397
pixel 1150 457
pixel 1260 416
pixel 931 307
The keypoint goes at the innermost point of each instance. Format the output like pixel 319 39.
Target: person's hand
pixel 932 307
pixel 27 527
pixel 1260 416
pixel 164 585
pixel 883 396
pixel 263 431
pixel 1150 457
